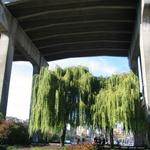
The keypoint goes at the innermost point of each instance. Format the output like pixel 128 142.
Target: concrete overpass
pixel 43 30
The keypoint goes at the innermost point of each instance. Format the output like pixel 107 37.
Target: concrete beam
pixel 86 34
pixel 14 2
pixel 63 44
pixel 25 10
pixel 7 23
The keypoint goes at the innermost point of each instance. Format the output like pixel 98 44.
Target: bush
pixel 12 133
pixel 81 147
pixel 4 131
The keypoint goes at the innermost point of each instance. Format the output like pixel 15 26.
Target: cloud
pixel 97 65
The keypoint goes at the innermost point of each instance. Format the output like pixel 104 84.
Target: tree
pixel 72 95
pixel 118 101
pixel 57 97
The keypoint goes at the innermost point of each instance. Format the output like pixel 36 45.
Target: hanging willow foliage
pixel 43 102
pixel 78 104
pixel 32 126
pixel 86 98
pixel 119 101
pixel 74 96
pixel 56 98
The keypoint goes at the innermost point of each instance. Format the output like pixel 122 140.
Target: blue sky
pixel 21 79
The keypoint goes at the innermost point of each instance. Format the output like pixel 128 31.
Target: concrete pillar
pixel 145 49
pixel 6 58
pixel 133 63
pixel 10 24
pixel 36 69
pixel 134 51
pixel 145 56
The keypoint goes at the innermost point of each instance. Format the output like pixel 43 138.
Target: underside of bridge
pixel 73 28
pixel 44 30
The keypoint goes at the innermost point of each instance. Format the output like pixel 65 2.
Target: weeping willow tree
pixel 60 97
pixel 74 96
pixel 119 101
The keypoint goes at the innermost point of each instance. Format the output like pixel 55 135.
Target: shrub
pixel 4 131
pixel 12 133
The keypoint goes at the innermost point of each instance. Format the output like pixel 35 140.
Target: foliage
pixel 74 96
pixel 81 147
pixel 43 102
pixel 119 101
pixel 13 133
pixel 4 131
pixel 60 97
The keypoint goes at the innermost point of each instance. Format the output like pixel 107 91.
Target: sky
pixel 21 79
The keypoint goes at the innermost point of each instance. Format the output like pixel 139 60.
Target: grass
pixel 31 148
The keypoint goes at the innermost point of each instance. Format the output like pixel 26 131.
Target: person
pixel 118 142
pixel 103 141
pixel 97 142
pixel 78 141
pixel 83 140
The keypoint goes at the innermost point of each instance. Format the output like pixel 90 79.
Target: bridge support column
pixel 145 49
pixel 145 55
pixel 6 58
pixel 36 69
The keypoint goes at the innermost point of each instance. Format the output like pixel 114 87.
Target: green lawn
pixel 31 148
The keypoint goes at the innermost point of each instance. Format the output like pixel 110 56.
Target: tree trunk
pixel 111 138
pixel 63 135
pixel 107 134
pixel 139 136
pixel 148 137
pixel 139 139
